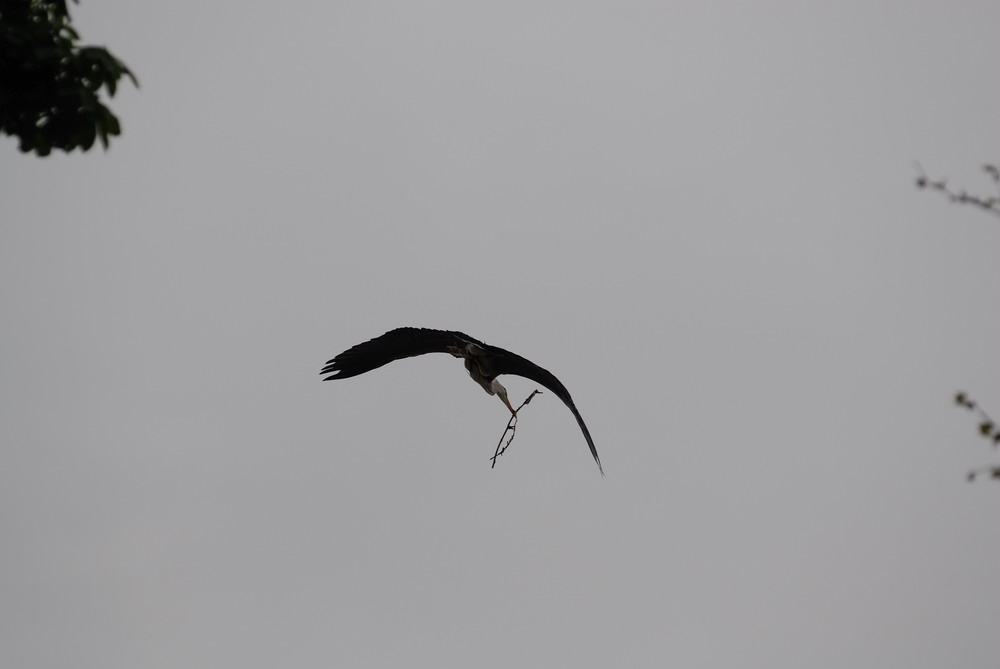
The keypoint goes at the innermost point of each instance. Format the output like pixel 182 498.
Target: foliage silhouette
pixel 49 85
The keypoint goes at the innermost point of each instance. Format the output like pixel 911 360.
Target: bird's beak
pixel 502 394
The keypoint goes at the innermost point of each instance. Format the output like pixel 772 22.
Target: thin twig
pixel 511 427
pixel 989 204
pixel 987 428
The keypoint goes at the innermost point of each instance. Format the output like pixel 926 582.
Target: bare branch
pixel 512 428
pixel 988 204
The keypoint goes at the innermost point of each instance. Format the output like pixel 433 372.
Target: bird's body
pixel 484 363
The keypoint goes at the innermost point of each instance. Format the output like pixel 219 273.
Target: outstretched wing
pixel 505 362
pixel 393 345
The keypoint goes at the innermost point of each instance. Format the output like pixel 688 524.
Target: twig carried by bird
pixel 512 428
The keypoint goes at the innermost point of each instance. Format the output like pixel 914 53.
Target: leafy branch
pixel 50 86
pixel 511 428
pixel 989 204
pixel 987 429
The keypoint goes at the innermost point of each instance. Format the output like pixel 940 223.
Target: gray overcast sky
pixel 699 215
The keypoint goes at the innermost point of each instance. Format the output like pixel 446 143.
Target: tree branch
pixel 988 204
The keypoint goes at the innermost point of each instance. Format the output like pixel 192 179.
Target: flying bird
pixel 484 362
